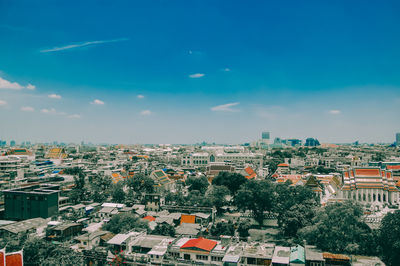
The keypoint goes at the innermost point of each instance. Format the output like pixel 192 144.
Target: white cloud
pixel 5 84
pixel 54 96
pixel 2 103
pixel 196 76
pixel 8 85
pixel 30 86
pixel 74 116
pixel 140 96
pixel 77 45
pixel 334 112
pixel 97 102
pixel 27 109
pixel 49 111
pixel 146 112
pixel 225 107
pixel 52 111
pixel 227 69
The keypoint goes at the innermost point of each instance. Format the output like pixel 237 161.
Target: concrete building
pixel 31 202
pixel 398 139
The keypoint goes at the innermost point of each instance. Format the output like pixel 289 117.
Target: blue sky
pixel 187 71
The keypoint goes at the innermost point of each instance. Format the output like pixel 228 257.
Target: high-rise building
pixel 265 135
pixel 398 139
pixel 311 142
pixel 12 143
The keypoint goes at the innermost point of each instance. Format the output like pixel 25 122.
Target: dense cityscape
pixel 269 202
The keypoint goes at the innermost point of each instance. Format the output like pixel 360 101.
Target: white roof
pixel 281 255
pixel 118 239
pixel 113 205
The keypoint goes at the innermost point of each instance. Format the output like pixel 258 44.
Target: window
pixel 201 257
pixel 214 258
pixel 315 263
pixel 251 261
pixel 186 256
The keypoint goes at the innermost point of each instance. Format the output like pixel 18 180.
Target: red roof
pixel 283 165
pixel 250 172
pixel 2 257
pixel 149 218
pixel 200 243
pixel 365 172
pixel 14 259
pixel 393 167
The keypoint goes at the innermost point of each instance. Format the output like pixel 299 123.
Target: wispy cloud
pixel 335 112
pixel 30 86
pixel 76 116
pixel 225 107
pixel 2 103
pixel 52 111
pixel 145 112
pixel 97 102
pixel 192 52
pixel 227 69
pixel 196 75
pixel 27 109
pixel 8 85
pixel 140 96
pixel 82 44
pixel 54 96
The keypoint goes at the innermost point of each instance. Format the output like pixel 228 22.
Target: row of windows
pixel 201 257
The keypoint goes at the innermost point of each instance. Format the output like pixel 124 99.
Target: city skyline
pixel 187 72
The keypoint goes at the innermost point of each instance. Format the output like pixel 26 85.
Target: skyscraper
pixel 398 139
pixel 265 135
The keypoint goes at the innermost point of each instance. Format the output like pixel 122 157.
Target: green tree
pixel 37 251
pixel 223 228
pixel 338 228
pixel 100 187
pixel 232 181
pixel 176 198
pixel 164 230
pixel 117 193
pixel 243 228
pixel 79 191
pixel 140 183
pixel 125 222
pixel 294 207
pixel 196 198
pixel 217 197
pixel 389 238
pixel 197 183
pixel 257 197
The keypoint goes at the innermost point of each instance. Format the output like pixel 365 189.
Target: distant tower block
pixel 265 138
pixel 265 135
pixel 397 139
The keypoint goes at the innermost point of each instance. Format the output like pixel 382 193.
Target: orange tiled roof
pixel 200 243
pixel 188 219
pixel 332 256
pixel 2 257
pixel 149 218
pixel 393 167
pixel 250 172
pixel 283 165
pixel 14 259
pixel 365 172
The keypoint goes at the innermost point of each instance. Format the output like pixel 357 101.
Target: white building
pixel 370 186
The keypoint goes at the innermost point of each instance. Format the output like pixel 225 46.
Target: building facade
pixel 31 202
pixel 370 185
